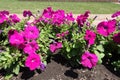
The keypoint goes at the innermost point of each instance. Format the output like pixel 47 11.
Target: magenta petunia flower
pixel 116 14
pixel 63 34
pixel 33 61
pixel 3 18
pixel 58 35
pixel 27 13
pixel 16 39
pixel 90 36
pixel 81 19
pixel 116 38
pixel 70 17
pixel 48 13
pixel 11 32
pixel 55 46
pixel 31 47
pixel 105 28
pixel 14 18
pixel 4 12
pixel 58 17
pixel 31 32
pixel 58 45
pixel 89 60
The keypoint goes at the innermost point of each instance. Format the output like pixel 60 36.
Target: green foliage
pixel 73 41
pixel 116 65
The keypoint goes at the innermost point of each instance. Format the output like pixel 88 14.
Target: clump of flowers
pixel 58 17
pixel 29 44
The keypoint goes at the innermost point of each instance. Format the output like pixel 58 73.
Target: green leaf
pixel 68 56
pixel 100 48
pixel 3 58
pixel 16 69
pixel 100 56
pixel 68 49
pixel 8 76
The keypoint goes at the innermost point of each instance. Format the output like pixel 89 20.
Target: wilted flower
pixel 31 32
pixel 42 66
pixel 90 37
pixel 116 14
pixel 33 61
pixel 105 28
pixel 89 60
pixel 81 19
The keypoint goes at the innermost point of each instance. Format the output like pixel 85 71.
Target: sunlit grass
pixel 16 6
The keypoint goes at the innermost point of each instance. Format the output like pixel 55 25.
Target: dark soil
pixel 59 69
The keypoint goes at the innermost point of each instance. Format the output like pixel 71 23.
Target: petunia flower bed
pixel 25 43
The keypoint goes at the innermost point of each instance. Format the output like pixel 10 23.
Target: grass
pixel 16 6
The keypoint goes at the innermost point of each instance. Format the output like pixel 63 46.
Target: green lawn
pixel 16 6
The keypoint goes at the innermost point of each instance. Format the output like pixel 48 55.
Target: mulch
pixel 59 69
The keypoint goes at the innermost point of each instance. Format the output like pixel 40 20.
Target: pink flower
pixel 89 60
pixel 31 32
pixel 14 18
pixel 58 17
pixel 55 46
pixel 90 37
pixel 47 13
pixel 63 34
pixel 4 12
pixel 33 61
pixel 11 32
pixel 70 17
pixel 27 13
pixel 58 45
pixel 2 18
pixel 31 47
pixel 16 39
pixel 58 35
pixel 116 14
pixel 116 38
pixel 81 19
pixel 105 28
